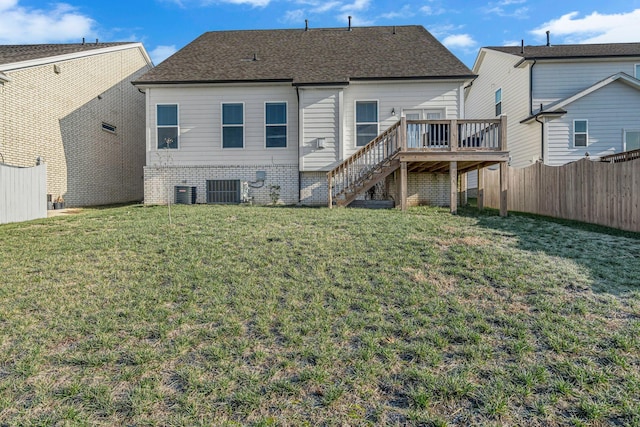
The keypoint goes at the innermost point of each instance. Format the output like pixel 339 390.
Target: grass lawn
pixel 288 316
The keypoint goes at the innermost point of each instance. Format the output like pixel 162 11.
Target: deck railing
pixel 625 156
pixel 364 162
pixel 469 134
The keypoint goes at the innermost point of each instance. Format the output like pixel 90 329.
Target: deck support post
pixel 453 178
pixel 329 183
pixel 462 183
pixel 504 187
pixel 480 188
pixel 403 186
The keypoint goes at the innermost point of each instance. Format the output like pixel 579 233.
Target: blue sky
pixel 463 26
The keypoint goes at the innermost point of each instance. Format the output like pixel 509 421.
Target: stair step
pixel 373 204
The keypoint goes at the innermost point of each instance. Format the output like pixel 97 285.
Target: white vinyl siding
pixel 553 82
pixel 609 111
pixel 496 71
pixel 201 124
pixel 580 133
pixel 321 112
pixel 440 96
pixel 168 129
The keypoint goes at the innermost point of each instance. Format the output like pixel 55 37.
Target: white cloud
pixel 294 16
pixel 325 7
pixel 594 28
pixel 432 11
pixel 463 41
pixel 252 3
pixel 405 12
pixel 62 23
pixel 357 5
pixel 160 53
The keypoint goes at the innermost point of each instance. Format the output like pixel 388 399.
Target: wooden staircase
pixel 365 168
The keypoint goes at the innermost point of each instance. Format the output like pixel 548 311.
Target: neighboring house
pixel 564 102
pixel 283 107
pixel 72 106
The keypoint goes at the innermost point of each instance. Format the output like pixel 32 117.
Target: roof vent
pixel 548 38
pixel 96 42
pixel 306 25
pixel 522 47
pixel 349 22
pixel 83 41
pixel 394 29
pixel 255 56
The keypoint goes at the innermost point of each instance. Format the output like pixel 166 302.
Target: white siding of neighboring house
pixel 609 111
pixel 496 71
pixel 200 139
pixel 554 81
pixel 320 110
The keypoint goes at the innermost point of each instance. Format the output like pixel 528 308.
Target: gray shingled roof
pixel 317 56
pixel 17 53
pixel 573 51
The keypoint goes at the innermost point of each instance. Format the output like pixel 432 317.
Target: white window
pixel 167 125
pixel 637 71
pixel 631 140
pixel 233 125
pixel 498 101
pixel 580 133
pixel 275 119
pixel 366 122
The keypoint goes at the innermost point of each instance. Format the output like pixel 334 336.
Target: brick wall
pixel 314 189
pixel 423 189
pixel 58 116
pixel 160 182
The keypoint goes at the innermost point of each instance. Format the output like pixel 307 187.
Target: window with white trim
pixel 498 101
pixel 275 122
pixel 580 133
pixel 167 126
pixel 233 125
pixel 631 140
pixel 366 122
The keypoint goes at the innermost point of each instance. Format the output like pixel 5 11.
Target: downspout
pixel 531 110
pixel 531 87
pixel 541 138
pixel 298 144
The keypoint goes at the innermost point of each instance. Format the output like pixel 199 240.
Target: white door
pixel 417 134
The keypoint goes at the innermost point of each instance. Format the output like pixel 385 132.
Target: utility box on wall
pixel 185 195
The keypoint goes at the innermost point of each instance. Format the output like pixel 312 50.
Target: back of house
pixel 239 115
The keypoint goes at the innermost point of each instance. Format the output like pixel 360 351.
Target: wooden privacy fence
pixel 23 193
pixel 596 192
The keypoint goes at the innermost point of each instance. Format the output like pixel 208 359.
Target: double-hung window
pixel 366 122
pixel 275 118
pixel 233 125
pixel 580 133
pixel 167 124
pixel 498 101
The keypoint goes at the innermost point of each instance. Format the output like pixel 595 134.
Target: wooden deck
pixel 424 146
